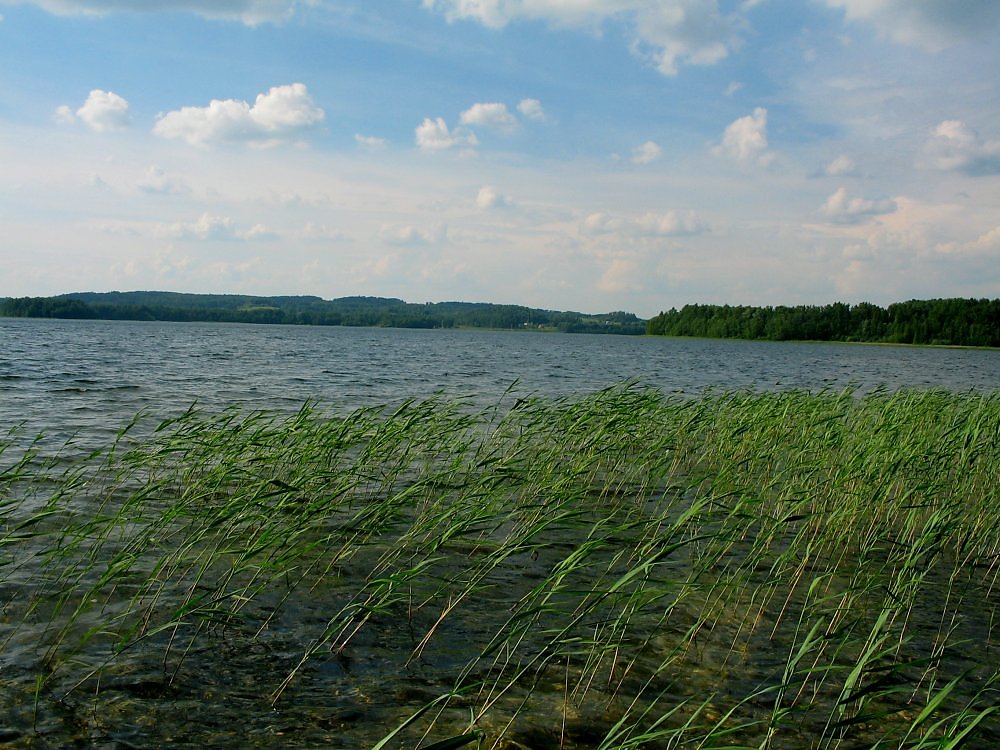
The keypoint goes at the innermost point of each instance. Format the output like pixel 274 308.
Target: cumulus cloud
pixel 841 209
pixel 491 115
pixel 213 228
pixel 745 139
pixel 692 32
pixel 531 109
pixel 653 224
pixel 103 112
pixel 434 135
pixel 489 197
pixel 985 244
pixel 954 146
pixel 250 12
pixel 668 33
pixel 647 153
pixel 277 116
pixel 932 25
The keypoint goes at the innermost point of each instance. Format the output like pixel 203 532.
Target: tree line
pixel 308 310
pixel 950 322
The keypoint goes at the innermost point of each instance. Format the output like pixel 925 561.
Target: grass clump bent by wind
pixel 618 570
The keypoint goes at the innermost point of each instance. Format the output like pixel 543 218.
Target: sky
pixel 589 155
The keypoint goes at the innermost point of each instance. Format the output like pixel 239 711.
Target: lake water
pixel 122 565
pixel 87 378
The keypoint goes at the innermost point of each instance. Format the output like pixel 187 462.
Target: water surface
pixel 87 378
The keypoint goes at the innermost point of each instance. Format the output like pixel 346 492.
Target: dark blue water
pixel 88 378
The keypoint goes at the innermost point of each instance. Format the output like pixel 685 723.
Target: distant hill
pixel 309 310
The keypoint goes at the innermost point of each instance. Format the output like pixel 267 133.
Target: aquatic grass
pixel 621 569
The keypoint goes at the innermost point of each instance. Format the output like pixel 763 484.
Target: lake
pixel 87 378
pixel 739 548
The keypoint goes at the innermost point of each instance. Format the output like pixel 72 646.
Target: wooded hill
pixel 308 310
pixel 954 322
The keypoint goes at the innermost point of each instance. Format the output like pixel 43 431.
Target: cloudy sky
pixel 591 155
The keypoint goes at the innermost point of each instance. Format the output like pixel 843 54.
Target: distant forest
pixel 307 310
pixel 954 322
pixel 950 322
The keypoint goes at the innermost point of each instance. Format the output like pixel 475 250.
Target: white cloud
pixel 213 228
pixel 489 197
pixel 954 146
pixel 531 109
pixel 322 232
pixel 745 139
pixel 408 235
pixel 621 275
pixel 932 25
pixel 498 13
pixel 155 181
pixel 280 114
pixel 986 244
pixel 843 210
pixel 64 115
pixel 434 135
pixel 258 232
pixel 841 166
pixel 671 224
pixel 647 153
pixel 732 88
pixel 103 112
pixel 652 224
pixel 693 32
pixel 250 12
pixel 491 115
pixel 369 142
pixel 667 32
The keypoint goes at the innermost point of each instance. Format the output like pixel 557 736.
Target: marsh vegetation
pixel 618 570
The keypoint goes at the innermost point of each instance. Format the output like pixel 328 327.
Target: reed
pixel 622 569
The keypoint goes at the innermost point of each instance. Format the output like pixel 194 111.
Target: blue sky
pixel 573 154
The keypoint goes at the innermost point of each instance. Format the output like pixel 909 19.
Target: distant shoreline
pixel 940 323
pixel 373 312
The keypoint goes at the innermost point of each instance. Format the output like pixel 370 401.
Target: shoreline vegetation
pixel 307 310
pixel 936 322
pixel 624 569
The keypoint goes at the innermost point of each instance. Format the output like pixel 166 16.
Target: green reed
pixel 618 570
